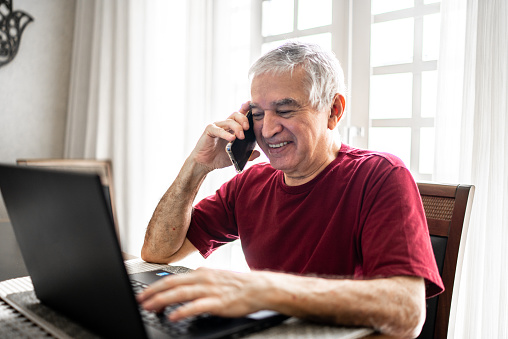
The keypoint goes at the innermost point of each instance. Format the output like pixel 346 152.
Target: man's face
pixel 293 135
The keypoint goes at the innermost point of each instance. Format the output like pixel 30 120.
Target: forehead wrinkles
pixel 275 89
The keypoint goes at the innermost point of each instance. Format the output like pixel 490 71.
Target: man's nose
pixel 271 125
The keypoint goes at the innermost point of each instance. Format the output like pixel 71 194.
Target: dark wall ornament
pixel 12 25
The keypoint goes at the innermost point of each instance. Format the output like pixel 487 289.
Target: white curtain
pixel 472 147
pixel 112 112
pixel 146 78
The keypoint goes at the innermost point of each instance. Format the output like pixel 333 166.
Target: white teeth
pixel 278 145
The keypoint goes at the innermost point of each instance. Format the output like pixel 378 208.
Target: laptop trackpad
pixel 149 277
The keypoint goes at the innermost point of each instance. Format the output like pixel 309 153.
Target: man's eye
pixel 284 113
pixel 257 116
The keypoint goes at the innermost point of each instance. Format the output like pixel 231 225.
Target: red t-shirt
pixel 361 217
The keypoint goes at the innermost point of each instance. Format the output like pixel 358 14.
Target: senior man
pixel 331 233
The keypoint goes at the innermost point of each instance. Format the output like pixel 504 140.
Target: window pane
pixel 431 29
pixel 277 17
pixel 429 94
pixel 426 150
pixel 324 40
pixel 392 42
pixel 383 6
pixel 391 96
pixel 314 13
pixel 394 140
pixel 431 1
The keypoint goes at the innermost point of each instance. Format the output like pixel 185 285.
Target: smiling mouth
pixel 278 145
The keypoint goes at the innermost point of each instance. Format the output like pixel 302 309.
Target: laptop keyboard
pixel 162 323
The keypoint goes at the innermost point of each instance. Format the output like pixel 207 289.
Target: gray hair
pixel 324 75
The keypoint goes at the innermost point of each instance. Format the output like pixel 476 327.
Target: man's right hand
pixel 209 151
pixel 165 238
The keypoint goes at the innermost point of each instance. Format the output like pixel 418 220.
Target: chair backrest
pixel 100 167
pixel 447 209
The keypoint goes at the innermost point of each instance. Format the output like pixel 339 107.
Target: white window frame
pixel 362 71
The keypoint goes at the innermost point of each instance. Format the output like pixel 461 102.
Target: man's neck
pixel 296 180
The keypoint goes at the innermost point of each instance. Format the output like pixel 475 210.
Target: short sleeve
pixel 395 237
pixel 213 222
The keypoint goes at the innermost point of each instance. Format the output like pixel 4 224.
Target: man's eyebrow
pixel 286 102
pixel 281 102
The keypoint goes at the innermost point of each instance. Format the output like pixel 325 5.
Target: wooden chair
pixel 447 208
pixel 100 167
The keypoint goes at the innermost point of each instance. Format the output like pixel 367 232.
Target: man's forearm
pixel 170 221
pixel 394 306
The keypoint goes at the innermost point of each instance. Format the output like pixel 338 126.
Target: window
pixel 280 20
pixel 404 49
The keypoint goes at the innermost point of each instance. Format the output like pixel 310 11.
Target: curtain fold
pixel 146 78
pixel 99 114
pixel 123 81
pixel 472 147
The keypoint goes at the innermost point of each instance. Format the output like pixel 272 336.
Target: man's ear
pixel 336 111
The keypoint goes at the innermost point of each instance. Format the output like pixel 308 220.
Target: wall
pixel 34 86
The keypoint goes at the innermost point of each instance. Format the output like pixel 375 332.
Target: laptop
pixel 65 232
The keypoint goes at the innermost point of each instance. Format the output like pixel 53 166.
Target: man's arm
pixel 394 306
pixel 165 238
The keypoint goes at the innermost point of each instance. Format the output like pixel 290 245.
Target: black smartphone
pixel 240 150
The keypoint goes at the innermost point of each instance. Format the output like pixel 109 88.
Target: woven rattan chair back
pixel 447 209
